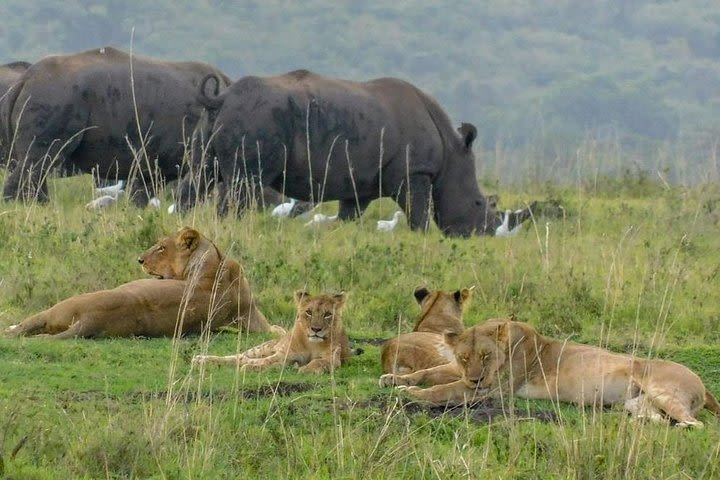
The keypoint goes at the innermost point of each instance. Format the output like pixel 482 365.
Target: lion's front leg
pixel 322 364
pixel 277 358
pixel 439 375
pixel 454 393
pixel 218 360
pixel 319 365
pixel 265 349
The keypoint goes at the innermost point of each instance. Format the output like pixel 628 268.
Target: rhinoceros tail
pixel 211 102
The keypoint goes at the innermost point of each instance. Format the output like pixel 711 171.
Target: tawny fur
pixel 317 342
pixel 195 287
pixel 502 359
pixel 422 356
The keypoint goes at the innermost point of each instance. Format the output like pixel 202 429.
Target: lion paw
pixel 689 424
pixel 411 389
pixel 391 379
pixel 199 359
pixel 311 369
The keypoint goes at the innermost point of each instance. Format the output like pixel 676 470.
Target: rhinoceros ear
pixel 468 132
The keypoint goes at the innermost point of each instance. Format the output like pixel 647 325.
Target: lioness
pixel 195 287
pixel 317 342
pixel 422 356
pixel 511 358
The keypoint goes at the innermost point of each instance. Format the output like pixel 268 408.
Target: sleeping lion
pixel 317 342
pixel 196 287
pixel 511 358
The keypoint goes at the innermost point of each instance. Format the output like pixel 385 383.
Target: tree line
pixel 538 77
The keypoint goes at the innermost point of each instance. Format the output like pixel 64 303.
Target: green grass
pixel 631 266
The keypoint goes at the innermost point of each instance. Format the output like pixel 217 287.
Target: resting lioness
pixel 317 342
pixel 506 358
pixel 195 287
pixel 422 356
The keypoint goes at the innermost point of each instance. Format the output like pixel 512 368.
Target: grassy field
pixel 626 264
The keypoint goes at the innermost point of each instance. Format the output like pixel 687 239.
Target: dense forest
pixel 628 86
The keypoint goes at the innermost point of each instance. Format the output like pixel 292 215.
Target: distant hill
pixel 538 78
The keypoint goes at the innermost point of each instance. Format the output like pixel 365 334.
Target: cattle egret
pixel 112 190
pixel 320 218
pixel 284 209
pixel 389 225
pixel 154 202
pixel 101 202
pixel 503 230
pixel 171 209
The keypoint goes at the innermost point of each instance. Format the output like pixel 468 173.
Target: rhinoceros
pixel 316 139
pixel 89 111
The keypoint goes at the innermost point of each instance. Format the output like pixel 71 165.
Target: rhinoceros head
pixel 460 208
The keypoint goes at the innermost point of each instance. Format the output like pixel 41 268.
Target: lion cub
pixel 501 359
pixel 422 356
pixel 317 342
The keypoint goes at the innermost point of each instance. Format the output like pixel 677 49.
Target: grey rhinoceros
pixel 316 139
pixel 89 111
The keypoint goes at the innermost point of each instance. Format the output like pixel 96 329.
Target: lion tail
pixel 711 403
pixel 357 351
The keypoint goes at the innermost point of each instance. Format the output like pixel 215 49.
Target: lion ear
pixel 503 332
pixel 300 296
pixel 340 299
pixel 451 338
pixel 188 238
pixel 421 293
pixel 461 296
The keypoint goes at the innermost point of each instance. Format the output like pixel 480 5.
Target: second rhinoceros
pixel 317 139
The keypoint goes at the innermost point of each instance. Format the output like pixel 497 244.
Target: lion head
pixel 483 351
pixel 441 312
pixel 172 256
pixel 319 315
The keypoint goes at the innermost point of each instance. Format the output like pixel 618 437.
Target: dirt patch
pixel 369 341
pixel 281 389
pixel 483 412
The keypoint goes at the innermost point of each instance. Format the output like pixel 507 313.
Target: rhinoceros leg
pixel 42 145
pixel 191 189
pixel 199 173
pixel 416 201
pixel 138 194
pixel 241 196
pixel 26 182
pixel 351 209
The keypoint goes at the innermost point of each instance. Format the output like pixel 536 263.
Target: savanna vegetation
pixel 626 263
pixel 608 110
